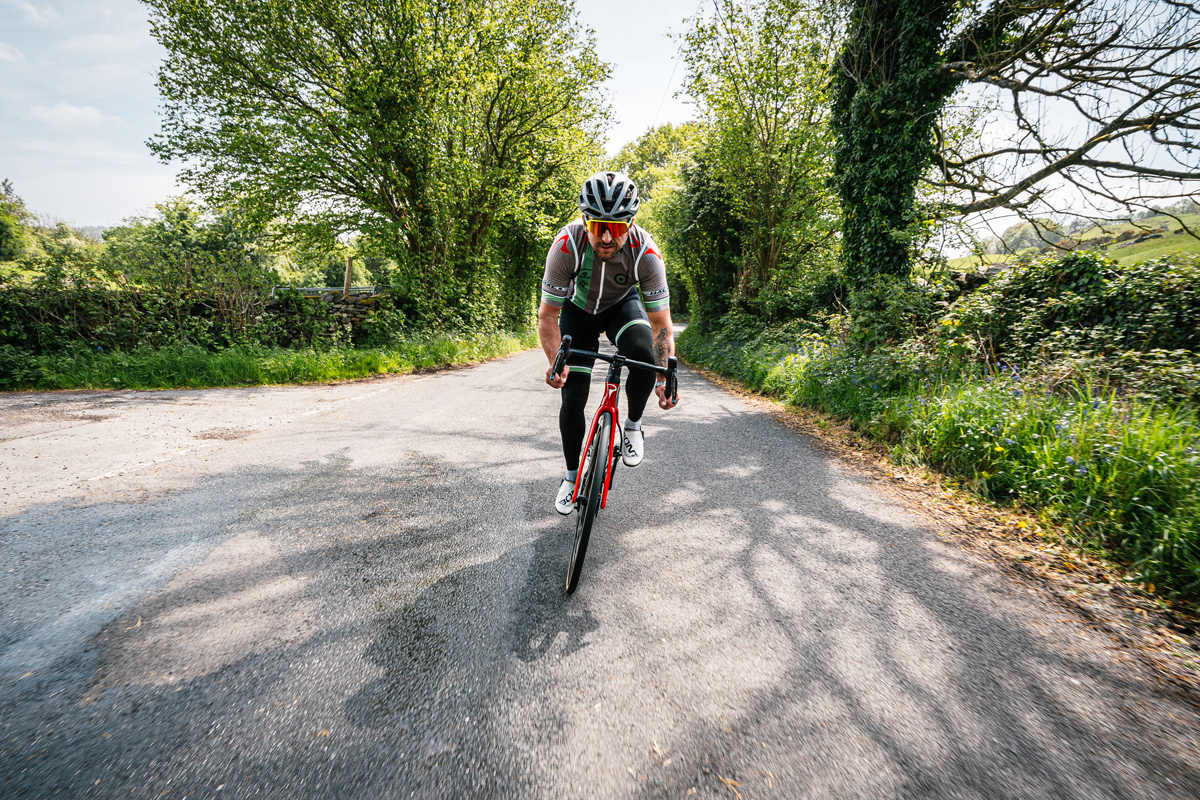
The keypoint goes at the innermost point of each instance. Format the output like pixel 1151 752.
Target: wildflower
pixel 998 449
pixel 1016 392
pixel 1070 460
pixel 1010 442
pixel 1095 404
pixel 1082 470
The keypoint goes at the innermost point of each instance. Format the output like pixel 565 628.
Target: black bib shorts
pixel 628 328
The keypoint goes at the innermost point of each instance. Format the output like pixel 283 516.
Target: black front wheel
pixel 591 486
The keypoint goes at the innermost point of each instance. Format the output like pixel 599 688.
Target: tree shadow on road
pixel 884 662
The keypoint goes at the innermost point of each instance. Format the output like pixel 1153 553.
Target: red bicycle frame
pixel 612 387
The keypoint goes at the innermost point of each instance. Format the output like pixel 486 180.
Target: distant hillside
pixel 93 232
pixel 1124 242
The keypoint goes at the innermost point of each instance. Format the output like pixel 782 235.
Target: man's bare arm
pixel 664 348
pixel 551 337
pixel 664 341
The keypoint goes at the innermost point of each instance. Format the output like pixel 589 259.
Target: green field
pixel 1121 252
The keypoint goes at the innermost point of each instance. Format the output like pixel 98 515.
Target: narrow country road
pixel 356 591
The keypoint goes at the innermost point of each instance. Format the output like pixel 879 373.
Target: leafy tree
pixel 447 131
pixel 1102 95
pixel 189 253
pixel 758 72
pixel 174 247
pixel 701 238
pixel 654 154
pixel 14 220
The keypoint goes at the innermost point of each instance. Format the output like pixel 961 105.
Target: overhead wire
pixel 671 80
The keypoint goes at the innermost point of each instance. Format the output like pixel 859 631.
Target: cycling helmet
pixel 609 196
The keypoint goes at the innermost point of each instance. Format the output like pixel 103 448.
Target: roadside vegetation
pixel 1056 369
pixel 1084 412
pixel 185 299
pixel 194 367
pixel 820 219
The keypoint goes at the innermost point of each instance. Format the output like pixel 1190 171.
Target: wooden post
pixel 349 267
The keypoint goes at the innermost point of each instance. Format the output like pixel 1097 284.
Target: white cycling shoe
pixel 562 503
pixel 633 447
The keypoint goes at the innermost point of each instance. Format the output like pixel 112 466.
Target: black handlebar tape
pixel 673 379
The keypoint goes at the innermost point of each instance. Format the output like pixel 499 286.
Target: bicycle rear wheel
pixel 591 486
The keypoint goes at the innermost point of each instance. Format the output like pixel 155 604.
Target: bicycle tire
pixel 590 489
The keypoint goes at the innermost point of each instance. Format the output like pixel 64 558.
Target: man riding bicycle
pixel 593 272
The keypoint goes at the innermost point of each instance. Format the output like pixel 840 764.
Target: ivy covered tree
pixel 1097 97
pixel 451 132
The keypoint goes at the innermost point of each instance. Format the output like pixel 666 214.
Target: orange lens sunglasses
pixel 597 227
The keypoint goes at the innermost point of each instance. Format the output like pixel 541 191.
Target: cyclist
pixel 593 271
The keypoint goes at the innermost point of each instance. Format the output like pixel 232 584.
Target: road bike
pixel 602 448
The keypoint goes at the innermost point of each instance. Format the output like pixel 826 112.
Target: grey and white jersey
pixel 575 272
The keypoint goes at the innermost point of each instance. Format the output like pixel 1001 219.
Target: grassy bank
pixel 196 368
pixel 1121 474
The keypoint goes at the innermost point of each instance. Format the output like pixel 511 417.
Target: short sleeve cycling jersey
pixel 574 272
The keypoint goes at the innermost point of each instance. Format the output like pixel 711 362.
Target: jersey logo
pixel 564 239
pixel 621 280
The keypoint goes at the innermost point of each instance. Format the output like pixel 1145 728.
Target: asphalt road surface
pixel 356 591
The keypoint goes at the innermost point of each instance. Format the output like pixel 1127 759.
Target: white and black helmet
pixel 609 196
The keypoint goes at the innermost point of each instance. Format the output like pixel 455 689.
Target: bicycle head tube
pixel 614 369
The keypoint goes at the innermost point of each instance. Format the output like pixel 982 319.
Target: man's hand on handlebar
pixel 664 402
pixel 561 380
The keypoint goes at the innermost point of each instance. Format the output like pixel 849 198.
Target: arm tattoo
pixel 661 347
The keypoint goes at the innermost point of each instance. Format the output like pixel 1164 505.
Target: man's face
pixel 605 245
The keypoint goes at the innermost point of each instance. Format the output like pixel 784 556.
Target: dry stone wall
pixel 349 310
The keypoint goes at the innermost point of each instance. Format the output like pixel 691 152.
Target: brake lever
pixel 564 352
pixel 672 379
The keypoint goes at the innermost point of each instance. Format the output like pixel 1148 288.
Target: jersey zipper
pixel 599 288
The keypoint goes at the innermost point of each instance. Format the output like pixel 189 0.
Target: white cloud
pixel 106 44
pixel 76 151
pixel 36 14
pixel 10 53
pixel 66 117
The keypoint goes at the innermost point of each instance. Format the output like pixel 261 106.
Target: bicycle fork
pixel 612 388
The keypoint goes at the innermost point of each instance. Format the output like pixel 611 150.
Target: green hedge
pixel 1112 454
pixel 194 367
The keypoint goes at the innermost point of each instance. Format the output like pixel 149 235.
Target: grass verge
pixel 1120 477
pixel 198 368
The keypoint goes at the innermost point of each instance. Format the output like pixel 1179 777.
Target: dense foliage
pixel 1086 303
pixel 183 279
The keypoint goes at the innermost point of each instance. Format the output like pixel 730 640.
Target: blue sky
pixel 78 102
